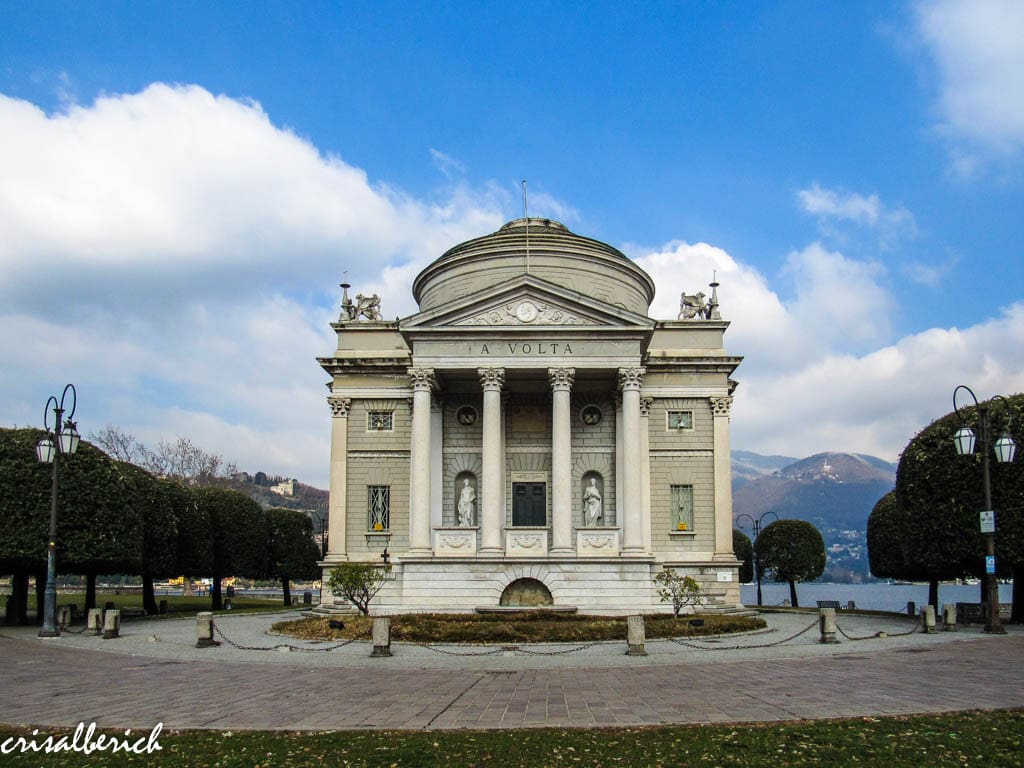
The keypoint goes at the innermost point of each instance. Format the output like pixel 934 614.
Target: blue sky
pixel 200 176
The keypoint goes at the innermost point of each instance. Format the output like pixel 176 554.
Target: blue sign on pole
pixel 990 563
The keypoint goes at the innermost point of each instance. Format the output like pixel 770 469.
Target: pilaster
pixel 720 407
pixel 336 514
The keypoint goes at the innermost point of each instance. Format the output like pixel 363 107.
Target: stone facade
pixel 529 426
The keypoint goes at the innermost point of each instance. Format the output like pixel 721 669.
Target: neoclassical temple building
pixel 531 435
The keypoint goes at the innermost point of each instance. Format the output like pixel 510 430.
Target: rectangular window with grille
pixel 380 421
pixel 379 505
pixel 680 419
pixel 682 507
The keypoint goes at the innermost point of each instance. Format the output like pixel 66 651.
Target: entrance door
pixel 529 504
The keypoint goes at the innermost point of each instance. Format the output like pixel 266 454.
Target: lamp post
pixel 61 440
pixel 1004 448
pixel 323 537
pixel 756 525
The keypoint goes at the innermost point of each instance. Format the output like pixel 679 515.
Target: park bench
pixel 830 604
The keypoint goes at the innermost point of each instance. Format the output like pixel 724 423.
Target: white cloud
pixel 175 255
pixel 832 207
pixel 821 370
pixel 976 45
pixel 849 206
pixel 446 164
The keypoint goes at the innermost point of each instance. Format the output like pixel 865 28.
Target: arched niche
pixel 471 516
pixel 590 482
pixel 526 593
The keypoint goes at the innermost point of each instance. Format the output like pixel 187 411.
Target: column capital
pixel 339 406
pixel 631 378
pixel 491 378
pixel 422 378
pixel 720 405
pixel 645 405
pixel 561 378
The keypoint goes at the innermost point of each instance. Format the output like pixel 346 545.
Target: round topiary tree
pixel 792 550
pixel 939 495
pixel 238 534
pixel 744 552
pixel 99 529
pixel 155 501
pixel 293 552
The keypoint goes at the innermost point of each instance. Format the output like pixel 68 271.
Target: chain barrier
pixel 690 644
pixel 561 651
pixel 854 638
pixel 446 652
pixel 289 646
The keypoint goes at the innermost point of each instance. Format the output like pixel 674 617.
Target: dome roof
pixel 545 249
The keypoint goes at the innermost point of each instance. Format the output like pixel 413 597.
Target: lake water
pixel 877 597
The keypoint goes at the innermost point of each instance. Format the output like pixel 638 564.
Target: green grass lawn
pixel 177 605
pixel 963 739
pixel 535 627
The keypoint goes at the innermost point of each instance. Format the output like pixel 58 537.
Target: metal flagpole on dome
pixel 526 217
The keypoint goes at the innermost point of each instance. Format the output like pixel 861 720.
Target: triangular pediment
pixel 526 302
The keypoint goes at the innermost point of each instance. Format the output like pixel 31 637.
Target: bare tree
pixel 179 459
pixel 118 444
pixel 184 461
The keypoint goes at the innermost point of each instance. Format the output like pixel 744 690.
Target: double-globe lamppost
pixel 61 440
pixel 1004 449
pixel 756 525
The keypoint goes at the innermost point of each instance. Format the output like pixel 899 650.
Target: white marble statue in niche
pixel 592 504
pixel 467 502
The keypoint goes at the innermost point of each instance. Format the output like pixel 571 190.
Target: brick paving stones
pixel 132 682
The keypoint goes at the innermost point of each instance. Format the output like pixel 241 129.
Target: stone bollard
pixel 111 624
pixel 949 617
pixel 827 625
pixel 204 630
pixel 94 621
pixel 63 616
pixel 635 636
pixel 928 619
pixel 381 636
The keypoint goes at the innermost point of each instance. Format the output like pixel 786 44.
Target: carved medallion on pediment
pixel 525 312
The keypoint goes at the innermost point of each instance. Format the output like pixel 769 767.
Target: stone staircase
pixel 714 602
pixel 331 611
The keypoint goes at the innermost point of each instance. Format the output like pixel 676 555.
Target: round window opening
pixel 526 593
pixel 466 415
pixel 591 415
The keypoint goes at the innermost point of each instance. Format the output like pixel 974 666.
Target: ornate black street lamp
pixel 61 440
pixel 756 524
pixel 1004 448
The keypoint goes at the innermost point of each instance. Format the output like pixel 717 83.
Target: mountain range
pixel 834 491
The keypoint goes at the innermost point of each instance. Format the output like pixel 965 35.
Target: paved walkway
pixel 137 681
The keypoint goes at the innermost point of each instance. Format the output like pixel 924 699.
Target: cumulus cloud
pixel 976 45
pixel 175 254
pixel 821 369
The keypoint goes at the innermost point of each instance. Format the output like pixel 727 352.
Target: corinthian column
pixel 723 479
pixel 561 459
pixel 630 380
pixel 419 461
pixel 336 550
pixel 492 380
